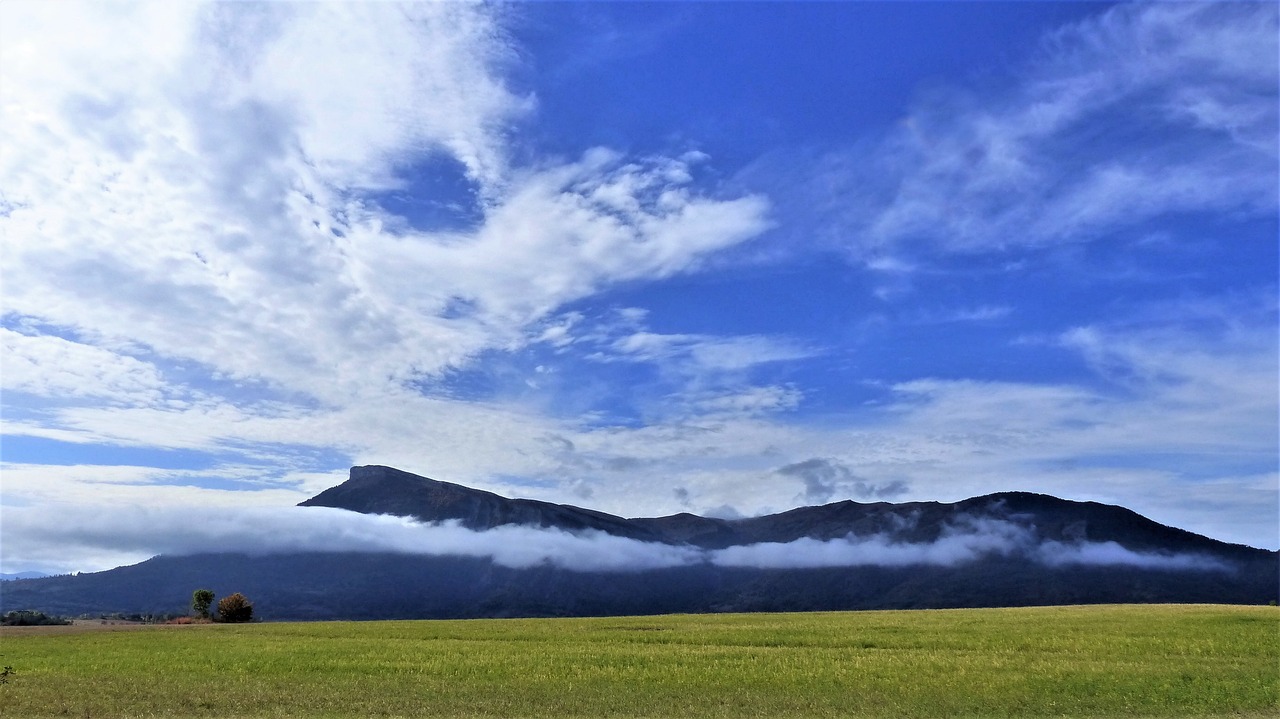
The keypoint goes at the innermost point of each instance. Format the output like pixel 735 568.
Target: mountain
pixel 385 490
pixel 6 576
pixel 1005 549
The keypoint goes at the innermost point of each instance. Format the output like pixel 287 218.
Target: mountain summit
pixel 375 489
pixel 1005 549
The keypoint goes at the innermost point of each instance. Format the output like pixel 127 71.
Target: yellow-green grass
pixel 1103 661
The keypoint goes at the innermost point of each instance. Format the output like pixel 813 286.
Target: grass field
pixel 1109 661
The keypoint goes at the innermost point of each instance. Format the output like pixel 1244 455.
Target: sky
pixel 724 258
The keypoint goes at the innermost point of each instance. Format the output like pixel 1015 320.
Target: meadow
pixel 1102 661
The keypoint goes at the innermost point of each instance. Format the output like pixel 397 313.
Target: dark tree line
pixel 29 618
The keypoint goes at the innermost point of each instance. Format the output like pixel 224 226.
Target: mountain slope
pixel 384 490
pixel 1006 549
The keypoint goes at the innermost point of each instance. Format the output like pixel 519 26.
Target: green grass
pixel 1111 661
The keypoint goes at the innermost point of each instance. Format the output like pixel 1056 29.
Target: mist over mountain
pixel 390 544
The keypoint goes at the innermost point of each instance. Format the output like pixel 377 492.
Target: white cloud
pixel 81 487
pixel 969 542
pixel 139 531
pixel 50 366
pixel 982 313
pixel 559 234
pixel 1176 433
pixel 186 195
pixel 1057 554
pixel 1141 111
pixel 134 532
pixel 419 77
pixel 203 199
pixel 1179 425
pixel 747 402
pixel 977 539
pixel 706 352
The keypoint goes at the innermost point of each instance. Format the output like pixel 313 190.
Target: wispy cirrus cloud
pixel 1147 110
pixel 706 352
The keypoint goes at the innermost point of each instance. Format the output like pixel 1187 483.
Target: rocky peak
pixel 385 490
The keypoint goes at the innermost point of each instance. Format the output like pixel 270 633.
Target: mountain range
pixel 1004 549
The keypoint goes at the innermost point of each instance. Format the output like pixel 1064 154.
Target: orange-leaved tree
pixel 235 608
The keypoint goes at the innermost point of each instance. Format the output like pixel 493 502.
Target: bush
pixel 29 618
pixel 235 608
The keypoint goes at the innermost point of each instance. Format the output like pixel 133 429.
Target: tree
pixel 235 608
pixel 30 618
pixel 201 600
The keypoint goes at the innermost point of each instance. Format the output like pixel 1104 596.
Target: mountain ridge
pixel 1001 549
pixel 379 489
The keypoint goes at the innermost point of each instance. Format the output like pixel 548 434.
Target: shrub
pixel 29 618
pixel 235 608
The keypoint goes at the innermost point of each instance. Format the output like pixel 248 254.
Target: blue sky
pixel 727 258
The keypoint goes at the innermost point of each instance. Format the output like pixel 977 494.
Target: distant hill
pixel 6 576
pixel 1006 549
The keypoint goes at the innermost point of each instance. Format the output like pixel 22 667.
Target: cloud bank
pixel 136 531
